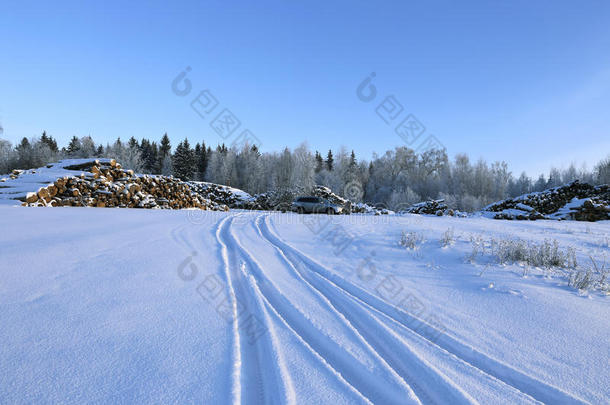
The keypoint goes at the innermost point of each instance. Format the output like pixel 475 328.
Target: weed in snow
pixel 545 255
pixel 447 238
pixel 478 248
pixel 593 277
pixel 411 240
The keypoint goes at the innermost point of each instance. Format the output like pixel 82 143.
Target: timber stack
pixel 107 184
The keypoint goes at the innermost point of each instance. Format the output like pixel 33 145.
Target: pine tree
pixel 329 160
pixel 197 156
pixel 165 150
pixel 352 160
pixel 319 162
pixel 117 149
pixel 205 158
pixel 202 160
pixel 152 164
pixel 184 161
pixel 133 143
pixel 52 144
pixel 49 141
pixel 24 153
pixel 145 154
pixel 100 151
pixel 73 147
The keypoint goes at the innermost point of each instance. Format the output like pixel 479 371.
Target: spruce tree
pixel 329 160
pixel 164 151
pixel 153 158
pixel 197 156
pixel 184 161
pixel 73 147
pixel 24 153
pixel 145 154
pixel 319 162
pixel 133 143
pixel 203 159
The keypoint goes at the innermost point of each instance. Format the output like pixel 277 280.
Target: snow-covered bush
pixel 410 240
pixel 447 238
pixel 546 254
pixel 594 276
pixel 478 247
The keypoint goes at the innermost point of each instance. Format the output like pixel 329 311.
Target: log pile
pixel 107 184
pixel 14 174
pixel 261 202
pixel 432 207
pixel 215 192
pixel 592 209
pixel 578 201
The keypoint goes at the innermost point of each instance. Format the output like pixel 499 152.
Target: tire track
pixel 410 386
pixel 333 354
pixel 520 381
pixel 236 355
pixel 258 382
pixel 385 344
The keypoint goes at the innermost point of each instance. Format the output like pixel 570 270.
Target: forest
pixel 394 179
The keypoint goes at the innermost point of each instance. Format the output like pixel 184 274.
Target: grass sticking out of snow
pixel 411 240
pixel 548 255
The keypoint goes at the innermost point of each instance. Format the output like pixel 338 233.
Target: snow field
pixel 253 307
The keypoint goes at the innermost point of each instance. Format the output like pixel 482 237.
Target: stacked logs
pixel 549 203
pixel 215 192
pixel 107 184
pixel 430 207
pixel 593 209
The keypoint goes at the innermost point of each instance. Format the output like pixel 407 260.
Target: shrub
pixel 410 240
pixel 447 238
pixel 546 254
pixel 595 276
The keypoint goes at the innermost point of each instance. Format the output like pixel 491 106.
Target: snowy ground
pixel 150 306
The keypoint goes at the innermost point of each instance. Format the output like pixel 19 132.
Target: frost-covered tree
pixel 131 156
pixel 87 147
pixel 602 171
pixel 8 157
pixel 303 169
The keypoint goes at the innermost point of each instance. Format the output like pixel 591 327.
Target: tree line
pixel 395 179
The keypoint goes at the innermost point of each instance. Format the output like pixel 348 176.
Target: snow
pixel 110 305
pixel 566 210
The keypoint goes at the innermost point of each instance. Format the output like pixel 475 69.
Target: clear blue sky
pixel 523 81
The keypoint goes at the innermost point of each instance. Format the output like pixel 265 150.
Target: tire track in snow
pixel 504 373
pixel 339 360
pixel 350 324
pixel 236 347
pixel 386 343
pixel 255 382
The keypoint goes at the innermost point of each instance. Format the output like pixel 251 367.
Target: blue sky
pixel 521 81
